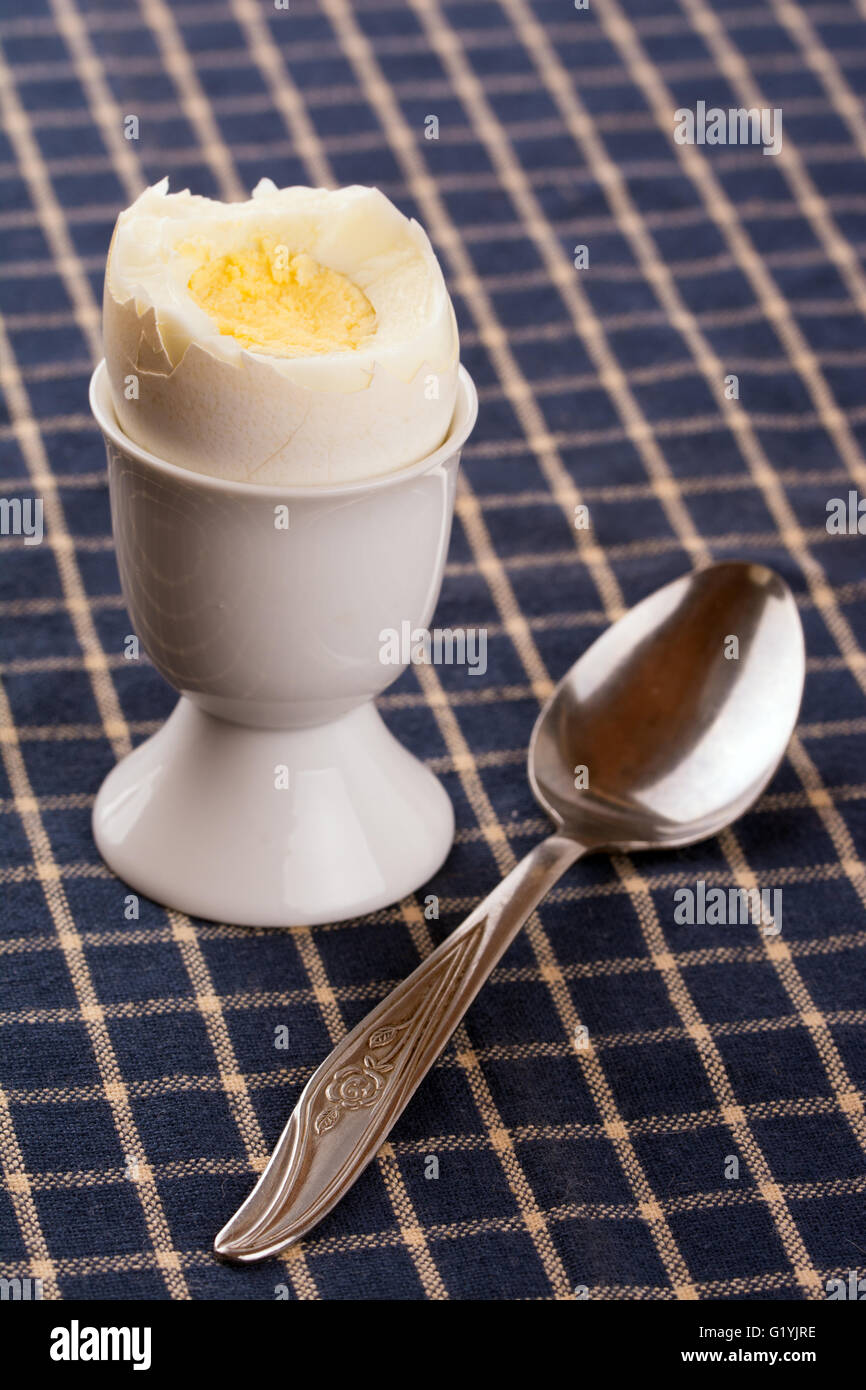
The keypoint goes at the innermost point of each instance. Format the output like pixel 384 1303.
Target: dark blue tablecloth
pixel 697 384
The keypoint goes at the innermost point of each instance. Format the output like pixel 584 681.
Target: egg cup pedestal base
pixel 273 827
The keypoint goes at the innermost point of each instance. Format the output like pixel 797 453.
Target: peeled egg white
pixel 198 398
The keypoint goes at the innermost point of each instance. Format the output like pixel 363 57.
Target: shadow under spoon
pixel 664 732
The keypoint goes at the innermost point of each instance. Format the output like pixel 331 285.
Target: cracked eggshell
pixel 242 417
pixel 247 422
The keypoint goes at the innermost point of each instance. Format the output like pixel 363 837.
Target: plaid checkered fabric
pixel 697 384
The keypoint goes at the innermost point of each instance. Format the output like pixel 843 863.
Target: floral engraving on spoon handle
pixel 363 1080
pixel 355 1086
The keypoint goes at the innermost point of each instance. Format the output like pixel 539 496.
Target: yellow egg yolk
pixel 282 302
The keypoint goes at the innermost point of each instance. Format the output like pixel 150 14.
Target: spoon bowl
pixel 723 648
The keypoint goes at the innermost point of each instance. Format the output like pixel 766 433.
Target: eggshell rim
pixel 462 422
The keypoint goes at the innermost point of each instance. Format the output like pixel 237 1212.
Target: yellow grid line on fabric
pixel 650 1125
pixel 752 208
pixel 193 15
pixel 260 103
pixel 563 893
pixel 191 1259
pixel 728 1197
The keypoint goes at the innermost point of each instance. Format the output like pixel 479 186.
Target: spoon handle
pixel 351 1102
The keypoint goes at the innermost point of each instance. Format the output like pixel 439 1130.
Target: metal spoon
pixel 680 713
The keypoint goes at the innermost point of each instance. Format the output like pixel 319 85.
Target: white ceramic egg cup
pixel 274 795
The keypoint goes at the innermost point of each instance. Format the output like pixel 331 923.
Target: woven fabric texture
pixel 709 1140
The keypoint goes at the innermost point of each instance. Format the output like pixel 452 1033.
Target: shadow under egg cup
pixel 274 795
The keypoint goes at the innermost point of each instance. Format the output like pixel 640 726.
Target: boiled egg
pixel 303 337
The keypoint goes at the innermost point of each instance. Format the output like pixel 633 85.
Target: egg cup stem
pixel 198 818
